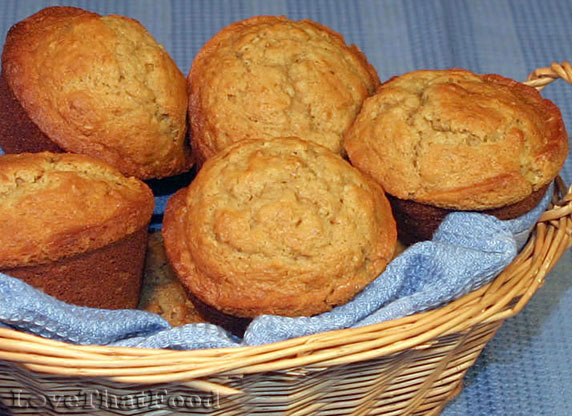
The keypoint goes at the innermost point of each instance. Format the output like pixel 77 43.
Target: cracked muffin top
pixel 458 140
pixel 270 76
pixel 55 205
pixel 280 226
pixel 100 85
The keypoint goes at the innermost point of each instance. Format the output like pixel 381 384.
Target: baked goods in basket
pixel 448 140
pixel 162 293
pixel 73 227
pixel 280 226
pixel 75 81
pixel 271 76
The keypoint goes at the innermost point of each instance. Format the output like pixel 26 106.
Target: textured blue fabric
pixel 467 251
pixel 28 309
pixel 525 370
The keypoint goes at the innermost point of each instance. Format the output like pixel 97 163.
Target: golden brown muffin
pixel 454 140
pixel 74 227
pixel 279 226
pixel 79 82
pixel 270 76
pixel 162 293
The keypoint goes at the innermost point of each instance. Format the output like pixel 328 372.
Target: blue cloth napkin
pixel 467 251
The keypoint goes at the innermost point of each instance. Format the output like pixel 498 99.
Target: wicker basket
pixel 412 365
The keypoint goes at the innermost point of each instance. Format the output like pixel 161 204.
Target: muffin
pixel 269 77
pixel 279 226
pixel 75 81
pixel 73 227
pixel 162 293
pixel 446 140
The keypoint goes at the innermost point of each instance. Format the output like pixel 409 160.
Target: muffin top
pixel 279 226
pixel 57 205
pixel 100 86
pixel 270 76
pixel 458 140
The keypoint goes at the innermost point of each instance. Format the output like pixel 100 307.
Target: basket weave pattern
pixel 413 365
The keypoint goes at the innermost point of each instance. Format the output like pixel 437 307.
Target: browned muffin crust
pixel 270 76
pixel 279 226
pixel 108 277
pixel 98 85
pixel 57 205
pixel 234 324
pixel 18 133
pixel 458 140
pixel 418 222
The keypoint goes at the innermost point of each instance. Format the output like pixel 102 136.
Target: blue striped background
pixel 526 369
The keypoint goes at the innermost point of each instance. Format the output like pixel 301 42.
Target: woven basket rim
pixel 505 296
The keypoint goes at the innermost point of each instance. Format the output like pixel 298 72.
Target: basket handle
pixel 559 214
pixel 541 77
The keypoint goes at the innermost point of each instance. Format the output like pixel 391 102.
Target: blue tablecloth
pixel 527 368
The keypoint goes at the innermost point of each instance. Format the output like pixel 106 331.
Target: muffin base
pixel 233 324
pixel 106 278
pixel 417 222
pixel 18 133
